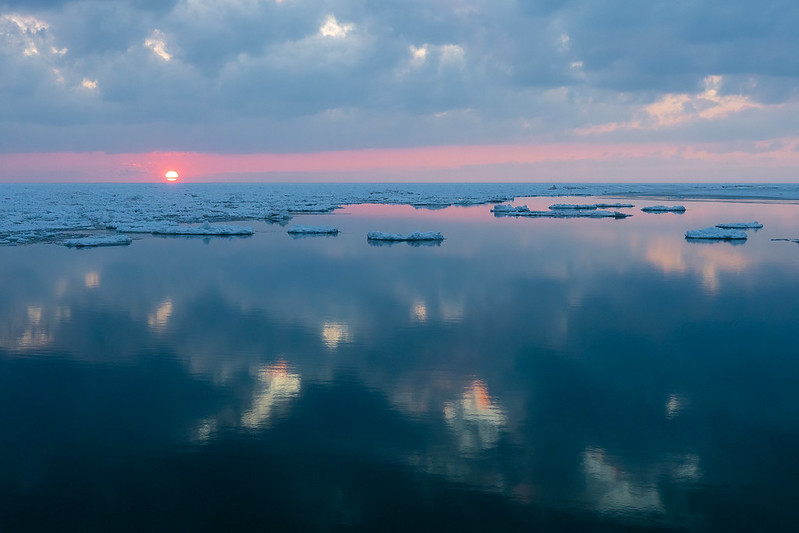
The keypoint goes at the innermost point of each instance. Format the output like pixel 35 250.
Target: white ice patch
pixel 714 233
pixel 506 209
pixel 410 237
pixel 104 240
pixel 664 209
pixel 312 230
pixel 740 225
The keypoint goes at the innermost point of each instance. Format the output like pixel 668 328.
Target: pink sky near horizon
pixel 379 163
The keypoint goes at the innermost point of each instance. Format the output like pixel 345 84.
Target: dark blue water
pixel 526 374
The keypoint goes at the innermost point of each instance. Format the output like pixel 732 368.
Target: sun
pixel 172 175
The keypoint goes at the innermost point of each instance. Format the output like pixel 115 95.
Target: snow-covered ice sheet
pixel 100 240
pixel 557 211
pixel 300 229
pixel 715 233
pixel 664 209
pixel 397 237
pixel 31 213
pixel 740 225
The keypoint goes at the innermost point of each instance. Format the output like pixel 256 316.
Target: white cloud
pixel 674 109
pixel 563 42
pixel 24 31
pixel 157 44
pixel 452 54
pixel 89 84
pixel 419 54
pixel 332 28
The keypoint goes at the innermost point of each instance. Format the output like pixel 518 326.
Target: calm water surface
pixel 526 374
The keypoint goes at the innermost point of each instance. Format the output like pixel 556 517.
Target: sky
pixel 390 90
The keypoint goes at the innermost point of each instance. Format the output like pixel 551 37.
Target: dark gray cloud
pixel 263 75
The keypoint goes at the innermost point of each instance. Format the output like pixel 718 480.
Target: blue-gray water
pixel 526 374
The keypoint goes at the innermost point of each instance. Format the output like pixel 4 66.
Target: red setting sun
pixel 172 175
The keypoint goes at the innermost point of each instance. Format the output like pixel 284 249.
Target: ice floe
pixel 299 229
pixel 507 209
pixel 410 237
pixel 715 233
pixel 279 217
pixel 614 206
pixel 557 211
pixel 100 240
pixel 740 225
pixel 664 209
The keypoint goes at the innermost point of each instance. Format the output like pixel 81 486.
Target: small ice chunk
pixel 613 206
pixel 664 209
pixel 204 229
pixel 102 240
pixel 740 225
pixel 415 236
pixel 312 230
pixel 278 216
pixel 559 207
pixel 716 234
pixel 506 209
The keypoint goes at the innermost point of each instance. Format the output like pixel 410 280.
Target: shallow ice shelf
pixel 312 230
pixel 411 237
pixel 740 225
pixel 104 240
pixel 715 233
pixel 205 229
pixel 559 207
pixel 664 209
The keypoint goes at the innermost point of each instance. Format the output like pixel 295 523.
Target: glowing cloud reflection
pixel 160 318
pixel 612 490
pixel 475 418
pixel 276 386
pixel 334 333
pixel 92 280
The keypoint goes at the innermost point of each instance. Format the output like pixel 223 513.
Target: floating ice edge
pixel 41 212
